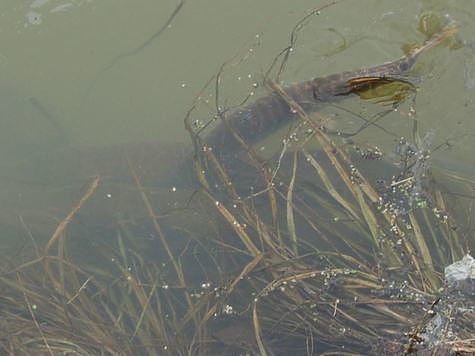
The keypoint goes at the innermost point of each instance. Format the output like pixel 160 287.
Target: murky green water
pixel 83 80
pixel 59 59
pixel 65 83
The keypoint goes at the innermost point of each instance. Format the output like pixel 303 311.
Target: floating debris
pixel 461 271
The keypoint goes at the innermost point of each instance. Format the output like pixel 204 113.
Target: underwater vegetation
pixel 327 247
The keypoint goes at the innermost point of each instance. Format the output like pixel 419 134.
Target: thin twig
pixel 67 220
pixel 30 309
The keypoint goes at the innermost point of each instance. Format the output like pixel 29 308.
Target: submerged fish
pixel 270 112
pixel 58 177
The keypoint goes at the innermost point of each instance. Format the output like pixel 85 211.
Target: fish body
pixel 257 120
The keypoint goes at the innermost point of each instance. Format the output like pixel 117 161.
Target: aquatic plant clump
pixel 335 258
pixel 336 261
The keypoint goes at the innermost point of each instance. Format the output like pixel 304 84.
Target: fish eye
pixel 404 66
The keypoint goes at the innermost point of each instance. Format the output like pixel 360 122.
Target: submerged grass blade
pixel 290 211
pixel 330 186
pixel 424 253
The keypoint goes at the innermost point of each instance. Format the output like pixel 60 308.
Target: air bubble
pixel 34 18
